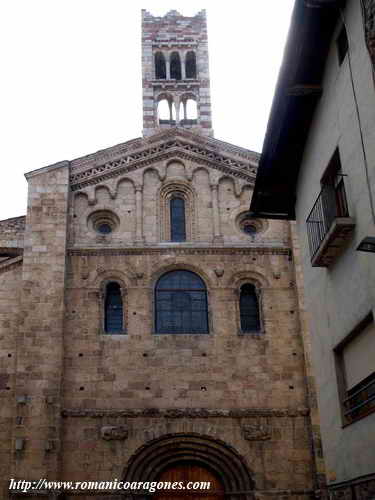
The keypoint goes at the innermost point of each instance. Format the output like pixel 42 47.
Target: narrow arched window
pixel 160 66
pixel 191 65
pixel 175 66
pixel 181 303
pixel 191 109
pixel 113 309
pixel 249 309
pixel 178 224
pixel 164 112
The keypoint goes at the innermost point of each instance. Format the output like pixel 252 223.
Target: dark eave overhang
pixel 298 90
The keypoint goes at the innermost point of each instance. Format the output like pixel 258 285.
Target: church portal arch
pixel 154 460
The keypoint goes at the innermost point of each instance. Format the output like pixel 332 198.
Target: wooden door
pixel 190 473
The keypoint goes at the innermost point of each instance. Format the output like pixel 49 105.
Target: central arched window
pixel 181 303
pixel 249 309
pixel 175 62
pixel 177 213
pixel 113 309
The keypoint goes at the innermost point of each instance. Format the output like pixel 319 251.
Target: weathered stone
pixel 114 433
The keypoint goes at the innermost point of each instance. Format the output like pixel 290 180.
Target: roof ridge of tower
pixel 174 13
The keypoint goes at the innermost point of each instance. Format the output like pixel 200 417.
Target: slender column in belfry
pixel 183 67
pixel 177 107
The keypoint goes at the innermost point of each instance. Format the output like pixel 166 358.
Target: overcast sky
pixel 71 77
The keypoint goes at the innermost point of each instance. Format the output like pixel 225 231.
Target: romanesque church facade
pixel 149 326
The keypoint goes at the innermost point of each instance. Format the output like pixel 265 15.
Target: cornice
pixel 162 151
pixel 11 251
pixel 119 150
pixel 281 250
pixel 187 412
pixel 14 224
pixel 10 264
pixel 48 168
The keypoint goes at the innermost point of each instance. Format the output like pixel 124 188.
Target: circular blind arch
pixel 181 303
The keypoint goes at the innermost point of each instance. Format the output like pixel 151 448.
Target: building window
pixel 342 45
pixel 189 111
pixel 181 303
pixel 104 222
pixel 176 208
pixel 113 309
pixel 177 214
pixel 160 66
pixel 175 66
pixel 166 110
pixel 191 65
pixel 355 368
pixel 104 228
pixel 249 229
pixel 329 224
pixel 249 309
pixel 247 224
pixel 333 186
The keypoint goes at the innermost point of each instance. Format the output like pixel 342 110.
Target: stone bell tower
pixel 175 73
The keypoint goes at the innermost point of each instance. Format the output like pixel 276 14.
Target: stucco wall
pixel 339 297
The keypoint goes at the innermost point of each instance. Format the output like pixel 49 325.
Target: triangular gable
pixel 172 143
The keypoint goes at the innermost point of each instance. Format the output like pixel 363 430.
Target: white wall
pixel 340 297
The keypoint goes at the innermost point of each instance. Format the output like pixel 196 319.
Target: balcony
pixel 329 225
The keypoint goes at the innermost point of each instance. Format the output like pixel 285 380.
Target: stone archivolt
pixel 186 192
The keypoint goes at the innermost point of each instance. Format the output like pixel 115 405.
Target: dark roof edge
pixel 296 96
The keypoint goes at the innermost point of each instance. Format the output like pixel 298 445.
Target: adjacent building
pixel 318 167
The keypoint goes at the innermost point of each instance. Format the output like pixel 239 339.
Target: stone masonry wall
pixel 10 290
pixel 113 394
pixel 174 32
pixel 222 371
pixel 203 186
pixel 36 422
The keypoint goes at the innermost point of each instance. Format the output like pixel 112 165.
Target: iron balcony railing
pixel 330 204
pixel 361 400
